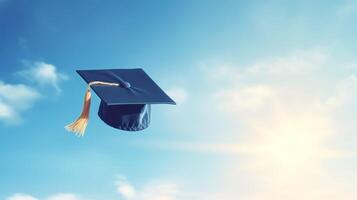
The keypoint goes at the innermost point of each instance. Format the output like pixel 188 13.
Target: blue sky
pixel 266 94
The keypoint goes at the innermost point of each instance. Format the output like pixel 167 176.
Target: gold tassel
pixel 79 126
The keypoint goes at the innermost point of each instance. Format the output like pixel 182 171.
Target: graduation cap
pixel 126 97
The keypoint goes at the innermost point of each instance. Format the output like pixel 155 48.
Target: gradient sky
pixel 266 93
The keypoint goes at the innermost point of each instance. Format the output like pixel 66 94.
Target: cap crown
pixel 136 87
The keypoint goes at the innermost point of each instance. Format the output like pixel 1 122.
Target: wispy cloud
pixel 345 93
pixel 251 98
pixel 178 94
pixel 219 71
pixel 43 74
pixel 297 63
pixel 347 8
pixel 15 99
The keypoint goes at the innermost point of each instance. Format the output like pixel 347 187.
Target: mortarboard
pixel 126 97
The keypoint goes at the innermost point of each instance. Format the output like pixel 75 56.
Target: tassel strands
pixel 79 126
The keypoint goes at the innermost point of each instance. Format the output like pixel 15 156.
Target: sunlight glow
pixel 291 142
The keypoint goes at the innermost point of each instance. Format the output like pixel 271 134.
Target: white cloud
pixel 160 191
pixel 43 74
pixel 21 197
pixel 125 189
pixel 59 196
pixel 63 196
pixel 15 99
pixel 6 112
pixel 179 95
pixel 157 190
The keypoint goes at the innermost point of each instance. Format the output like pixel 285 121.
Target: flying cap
pixel 126 97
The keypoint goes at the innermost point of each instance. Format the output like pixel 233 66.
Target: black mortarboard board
pixel 126 96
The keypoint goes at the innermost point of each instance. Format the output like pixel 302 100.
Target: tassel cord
pixel 79 126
